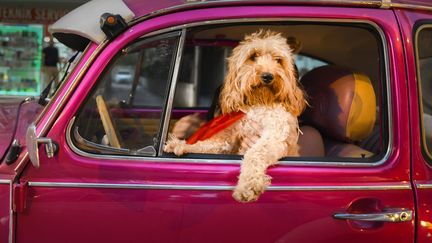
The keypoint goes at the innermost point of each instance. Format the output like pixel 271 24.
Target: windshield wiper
pixel 43 98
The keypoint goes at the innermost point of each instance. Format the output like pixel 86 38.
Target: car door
pixel 111 182
pixel 417 30
pixel 5 205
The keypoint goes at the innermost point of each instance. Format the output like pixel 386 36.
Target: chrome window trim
pixel 2 181
pixel 390 186
pixel 347 163
pixel 407 6
pixel 420 91
pixel 170 98
pixel 424 186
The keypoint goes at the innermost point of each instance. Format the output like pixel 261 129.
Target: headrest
pixel 342 103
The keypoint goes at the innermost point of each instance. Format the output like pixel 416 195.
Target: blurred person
pixel 50 59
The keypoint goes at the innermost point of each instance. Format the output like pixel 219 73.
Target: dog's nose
pixel 267 78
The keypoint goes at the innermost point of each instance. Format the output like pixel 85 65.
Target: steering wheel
pixel 107 122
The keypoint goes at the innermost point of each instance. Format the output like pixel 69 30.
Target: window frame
pixel 385 99
pixel 71 134
pixel 421 25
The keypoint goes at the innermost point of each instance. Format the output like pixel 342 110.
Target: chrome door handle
pixel 389 215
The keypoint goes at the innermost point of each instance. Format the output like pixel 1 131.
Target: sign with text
pixel 31 15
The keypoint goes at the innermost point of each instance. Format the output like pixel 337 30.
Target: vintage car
pixel 86 163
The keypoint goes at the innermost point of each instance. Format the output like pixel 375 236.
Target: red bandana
pixel 214 126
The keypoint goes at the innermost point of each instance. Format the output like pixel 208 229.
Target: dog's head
pixel 261 72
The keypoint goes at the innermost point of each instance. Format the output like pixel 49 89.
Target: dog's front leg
pixel 253 179
pixel 214 145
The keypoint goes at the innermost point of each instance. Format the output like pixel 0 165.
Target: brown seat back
pixel 342 107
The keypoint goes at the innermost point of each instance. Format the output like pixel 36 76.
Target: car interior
pixel 341 67
pixel 424 56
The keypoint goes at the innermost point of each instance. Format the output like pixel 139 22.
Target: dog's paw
pixel 249 189
pixel 175 145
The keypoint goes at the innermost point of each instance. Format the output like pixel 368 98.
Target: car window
pixel 306 63
pixel 424 70
pixel 123 112
pixel 204 68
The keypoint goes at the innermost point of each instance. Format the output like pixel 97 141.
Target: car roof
pixel 77 28
pixel 145 8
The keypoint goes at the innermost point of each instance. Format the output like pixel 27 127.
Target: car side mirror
pixel 32 142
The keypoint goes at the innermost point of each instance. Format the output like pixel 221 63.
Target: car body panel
pixel 5 210
pixel 12 124
pixel 422 170
pixel 113 198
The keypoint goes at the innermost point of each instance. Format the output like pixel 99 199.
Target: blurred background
pixel 29 57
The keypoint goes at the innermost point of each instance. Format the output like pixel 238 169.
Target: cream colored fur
pixel 273 106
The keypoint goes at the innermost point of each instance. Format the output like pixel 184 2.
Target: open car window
pixel 129 111
pixel 123 114
pixel 424 72
pixel 343 132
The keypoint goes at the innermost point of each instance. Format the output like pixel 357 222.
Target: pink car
pixel 86 162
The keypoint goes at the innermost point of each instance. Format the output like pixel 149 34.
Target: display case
pixel 20 59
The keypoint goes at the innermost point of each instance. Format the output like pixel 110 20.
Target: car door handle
pixel 389 215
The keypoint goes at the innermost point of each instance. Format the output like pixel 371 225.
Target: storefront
pixel 23 36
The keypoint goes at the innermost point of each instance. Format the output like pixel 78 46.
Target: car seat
pixel 342 106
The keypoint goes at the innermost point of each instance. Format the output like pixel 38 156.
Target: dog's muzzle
pixel 267 78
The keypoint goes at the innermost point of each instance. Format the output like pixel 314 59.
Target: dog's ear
pixel 231 98
pixel 297 101
pixel 292 93
pixel 294 44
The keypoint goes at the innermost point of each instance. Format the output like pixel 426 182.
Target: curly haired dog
pixel 261 83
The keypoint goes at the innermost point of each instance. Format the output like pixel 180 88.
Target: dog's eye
pixel 279 60
pixel 253 57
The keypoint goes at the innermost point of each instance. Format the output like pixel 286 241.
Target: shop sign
pixel 32 15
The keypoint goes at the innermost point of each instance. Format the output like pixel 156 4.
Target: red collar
pixel 214 126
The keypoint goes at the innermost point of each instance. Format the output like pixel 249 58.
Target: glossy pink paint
pixel 422 170
pixel 384 19
pixel 167 215
pixel 4 211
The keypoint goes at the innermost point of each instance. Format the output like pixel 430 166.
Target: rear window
pixel 424 73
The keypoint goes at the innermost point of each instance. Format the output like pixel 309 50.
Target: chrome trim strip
pixel 170 97
pixel 400 186
pixel 424 186
pixel 386 3
pixel 341 188
pixel 2 181
pixel 63 100
pixel 347 163
pixel 410 6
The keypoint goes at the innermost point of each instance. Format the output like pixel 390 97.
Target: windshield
pixel 55 82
